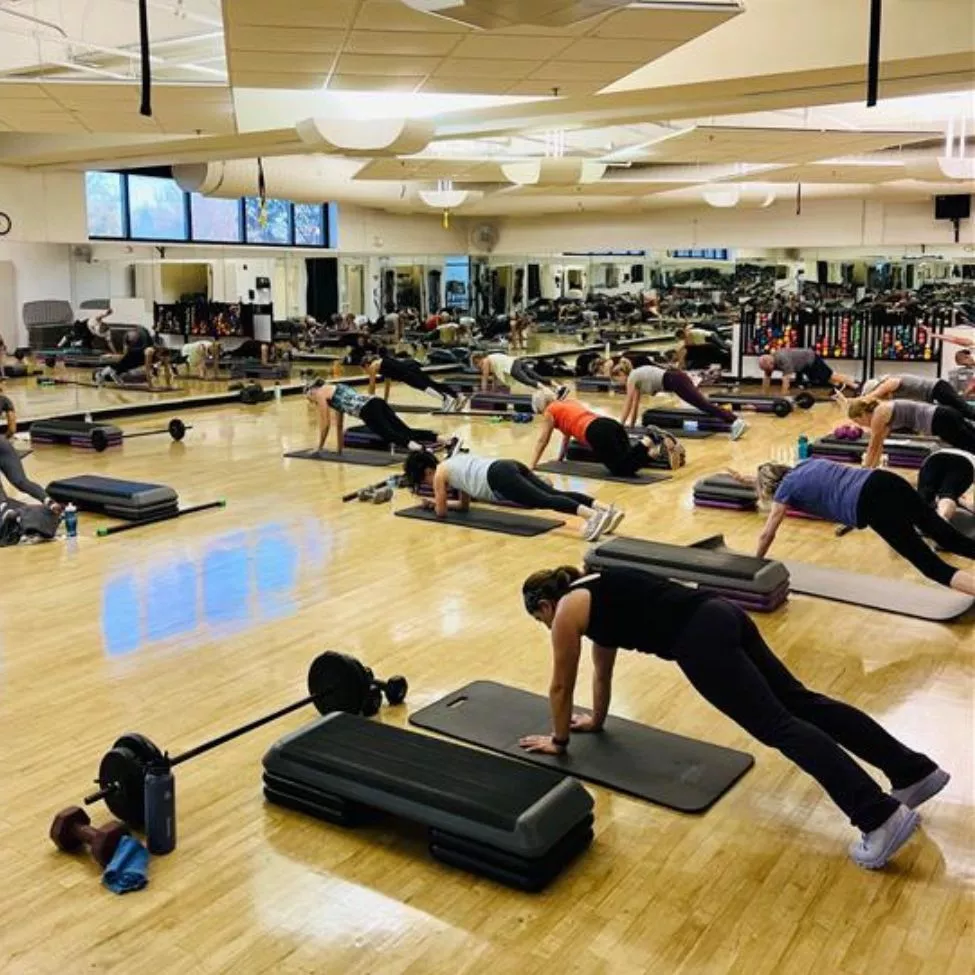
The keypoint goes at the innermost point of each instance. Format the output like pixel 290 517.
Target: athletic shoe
pixel 615 517
pixel 875 848
pixel 382 494
pixel 413 445
pixel 595 525
pixel 738 429
pixel 913 795
pixel 454 446
pixel 449 404
pixel 366 494
pixel 561 392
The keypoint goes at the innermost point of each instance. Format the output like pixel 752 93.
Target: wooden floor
pixel 184 629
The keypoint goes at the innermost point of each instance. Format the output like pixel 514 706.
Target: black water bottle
pixel 160 800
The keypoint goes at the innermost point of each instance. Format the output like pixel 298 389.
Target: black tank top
pixel 634 610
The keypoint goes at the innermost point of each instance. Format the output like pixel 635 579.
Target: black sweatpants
pixel 724 656
pixel 953 429
pixel 611 444
pixel 893 509
pixel 944 394
pixel 409 371
pixel 380 418
pixel 12 469
pixel 514 482
pixel 523 371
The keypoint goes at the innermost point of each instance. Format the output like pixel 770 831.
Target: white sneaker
pixel 615 517
pixel 738 429
pixel 595 524
pixel 875 848
pixel 913 795
pixel 413 445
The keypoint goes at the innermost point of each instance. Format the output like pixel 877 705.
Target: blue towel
pixel 129 867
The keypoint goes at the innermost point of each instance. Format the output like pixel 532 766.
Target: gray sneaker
pixel 738 429
pixel 596 524
pixel 875 848
pixel 913 795
pixel 615 517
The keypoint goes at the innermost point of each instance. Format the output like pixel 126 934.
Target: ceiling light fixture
pixel 444 197
pixel 721 196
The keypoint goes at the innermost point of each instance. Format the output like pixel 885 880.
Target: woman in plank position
pixel 408 371
pixel 498 368
pixel 921 390
pixel 606 438
pixel 654 379
pixel 492 481
pixel 723 655
pixel 340 401
pixel 864 498
pixel 908 416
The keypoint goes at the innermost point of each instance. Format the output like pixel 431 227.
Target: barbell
pixel 336 682
pixel 176 428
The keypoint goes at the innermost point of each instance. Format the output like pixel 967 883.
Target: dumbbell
pixel 72 830
pixel 395 688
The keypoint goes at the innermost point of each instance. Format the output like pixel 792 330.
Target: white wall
pixel 822 224
pixel 366 231
pixel 40 271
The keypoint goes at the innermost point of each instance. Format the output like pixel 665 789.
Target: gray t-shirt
pixel 469 474
pixel 790 361
pixel 912 417
pixel 914 387
pixel 961 378
pixel 648 379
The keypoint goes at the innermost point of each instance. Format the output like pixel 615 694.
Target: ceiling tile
pixel 484 68
pixel 291 13
pixel 393 15
pixel 365 82
pixel 559 70
pixel 505 47
pixel 283 39
pixel 400 43
pixel 631 51
pixel 371 64
pixel 319 63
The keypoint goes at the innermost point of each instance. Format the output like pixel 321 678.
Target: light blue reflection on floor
pixel 238 580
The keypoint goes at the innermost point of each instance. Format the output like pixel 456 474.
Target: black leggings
pixel 380 418
pixel 12 469
pixel 723 655
pixel 945 394
pixel 512 481
pixel 951 427
pixel 893 509
pixel 682 386
pixel 410 373
pixel 944 475
pixel 523 371
pixel 611 444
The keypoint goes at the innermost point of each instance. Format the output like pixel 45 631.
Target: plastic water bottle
pixel 71 521
pixel 277 392
pixel 160 802
pixel 803 447
pixel 88 417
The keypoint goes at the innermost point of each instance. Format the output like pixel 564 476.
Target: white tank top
pixel 501 366
pixel 468 473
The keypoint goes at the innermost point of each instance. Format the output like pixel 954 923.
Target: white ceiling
pixel 667 97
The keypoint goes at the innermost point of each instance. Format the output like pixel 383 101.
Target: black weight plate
pixel 177 429
pixel 781 407
pixel 99 439
pixel 373 701
pixel 338 682
pixel 805 401
pixel 123 773
pixel 145 749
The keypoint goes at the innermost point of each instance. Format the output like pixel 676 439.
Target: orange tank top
pixel 572 418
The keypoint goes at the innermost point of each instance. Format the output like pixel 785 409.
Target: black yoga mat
pixel 415 408
pixel 596 472
pixel 487 519
pixel 641 761
pixel 361 458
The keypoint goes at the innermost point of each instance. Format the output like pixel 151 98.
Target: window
pixel 157 209
pixel 103 192
pixel 274 229
pixel 309 225
pixel 215 219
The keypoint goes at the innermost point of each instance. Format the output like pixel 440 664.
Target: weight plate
pixel 338 683
pixel 123 773
pixel 805 401
pixel 177 429
pixel 396 689
pixel 99 439
pixel 373 701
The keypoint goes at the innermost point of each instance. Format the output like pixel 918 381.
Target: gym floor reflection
pixel 239 580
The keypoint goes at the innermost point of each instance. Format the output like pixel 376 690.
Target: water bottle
pixel 803 447
pixel 71 521
pixel 277 392
pixel 160 802
pixel 88 417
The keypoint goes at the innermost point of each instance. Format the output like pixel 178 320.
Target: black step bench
pixel 75 433
pixel 516 823
pixel 129 500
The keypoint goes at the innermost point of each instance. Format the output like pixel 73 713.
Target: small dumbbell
pixel 395 688
pixel 72 829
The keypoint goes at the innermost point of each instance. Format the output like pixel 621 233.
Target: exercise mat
pixel 596 472
pixel 660 767
pixel 487 519
pixel 361 458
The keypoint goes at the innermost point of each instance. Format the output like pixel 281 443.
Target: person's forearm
pixel 873 454
pixel 786 383
pixel 560 702
pixel 540 446
pixel 764 544
pixel 602 689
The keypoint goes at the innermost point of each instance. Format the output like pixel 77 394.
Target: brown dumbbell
pixel 72 829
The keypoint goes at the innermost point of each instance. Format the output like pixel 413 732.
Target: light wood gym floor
pixel 184 629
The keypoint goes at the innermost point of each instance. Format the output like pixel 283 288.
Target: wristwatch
pixel 560 742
